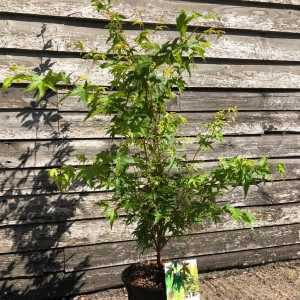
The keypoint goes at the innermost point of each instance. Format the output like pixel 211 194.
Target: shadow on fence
pixel 33 217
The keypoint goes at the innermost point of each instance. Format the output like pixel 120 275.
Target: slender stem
pixel 158 257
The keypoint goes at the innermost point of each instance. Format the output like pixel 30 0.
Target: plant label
pixel 182 280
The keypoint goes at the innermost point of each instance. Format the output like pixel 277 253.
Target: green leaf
pixel 111 213
pixel 181 23
pixel 281 169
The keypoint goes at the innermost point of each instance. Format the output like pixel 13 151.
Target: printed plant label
pixel 182 280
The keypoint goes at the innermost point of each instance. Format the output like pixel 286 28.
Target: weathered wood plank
pixel 17 155
pixel 245 123
pixel 25 182
pixel 283 2
pixel 165 11
pixel 196 101
pixel 46 236
pixel 105 255
pixel 48 208
pixel 204 75
pixel 31 263
pixel 248 258
pixel 62 37
pixel 35 182
pixel 53 153
pixel 59 285
pixel 249 146
pixel 39 124
pixel 29 124
pixel 47 287
pixel 16 98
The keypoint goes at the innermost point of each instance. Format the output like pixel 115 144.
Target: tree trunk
pixel 158 257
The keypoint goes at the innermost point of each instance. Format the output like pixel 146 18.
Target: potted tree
pixel 157 187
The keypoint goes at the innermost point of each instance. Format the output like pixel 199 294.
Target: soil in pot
pixel 145 282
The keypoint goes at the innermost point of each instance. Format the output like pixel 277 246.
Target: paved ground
pixel 278 281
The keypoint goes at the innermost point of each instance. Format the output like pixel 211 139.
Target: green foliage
pixel 154 186
pixel 39 84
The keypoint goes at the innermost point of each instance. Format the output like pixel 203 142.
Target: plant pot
pixel 141 293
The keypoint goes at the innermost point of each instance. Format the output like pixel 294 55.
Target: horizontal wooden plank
pixel 42 288
pixel 110 254
pixel 195 101
pixel 165 11
pixel 204 75
pixel 245 123
pixel 25 182
pixel 17 155
pixel 39 124
pixel 53 153
pixel 49 208
pixel 282 2
pixel 62 37
pixel 190 101
pixel 59 285
pixel 35 182
pixel 249 146
pixel 52 235
pixel 61 207
pixel 16 98
pixel 31 263
pixel 29 124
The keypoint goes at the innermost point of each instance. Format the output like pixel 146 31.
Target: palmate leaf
pixel 184 19
pixel 40 84
pixel 281 169
pixel 101 5
pixel 111 213
pixel 239 215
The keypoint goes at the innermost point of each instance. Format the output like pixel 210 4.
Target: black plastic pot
pixel 139 293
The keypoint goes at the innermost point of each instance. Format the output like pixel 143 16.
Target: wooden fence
pixel 54 244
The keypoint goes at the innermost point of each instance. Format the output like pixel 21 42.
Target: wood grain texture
pixel 25 182
pixel 31 263
pixel 39 124
pixel 189 101
pixel 165 11
pixel 248 146
pixel 63 37
pixel 283 2
pixel 78 206
pixel 42 287
pixel 198 101
pixel 29 124
pixel 204 75
pixel 55 152
pixel 74 126
pixel 197 245
pixel 195 101
pixel 16 98
pixel 52 235
pixel 36 182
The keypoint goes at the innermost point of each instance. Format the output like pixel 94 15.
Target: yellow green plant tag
pixel 182 280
